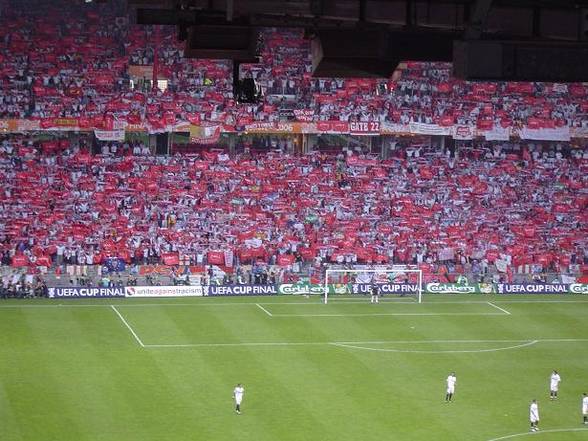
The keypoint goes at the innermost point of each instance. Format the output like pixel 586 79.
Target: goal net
pixel 396 280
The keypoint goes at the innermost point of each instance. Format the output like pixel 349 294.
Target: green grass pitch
pixel 159 370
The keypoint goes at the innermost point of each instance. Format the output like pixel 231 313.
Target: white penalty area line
pixel 264 310
pixel 498 307
pixel 522 343
pixel 517 435
pixel 128 326
pixel 395 314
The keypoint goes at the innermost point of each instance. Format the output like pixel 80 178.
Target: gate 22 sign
pixel 364 128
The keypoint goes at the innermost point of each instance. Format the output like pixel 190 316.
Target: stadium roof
pixel 510 39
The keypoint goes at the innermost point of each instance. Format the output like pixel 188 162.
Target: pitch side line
pixel 525 342
pixel 516 435
pixel 498 307
pixel 204 303
pixel 264 310
pixel 128 326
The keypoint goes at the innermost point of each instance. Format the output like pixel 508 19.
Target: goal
pixel 392 280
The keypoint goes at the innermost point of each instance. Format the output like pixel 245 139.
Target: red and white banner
pixel 59 123
pixel 579 132
pixel 269 127
pixel 110 129
pixel 463 132
pixel 304 115
pixel 170 259
pixel 205 135
pixel 560 88
pixel 365 162
pixel 556 134
pixel 286 259
pixel 390 128
pixel 216 257
pixel 335 127
pixel 110 135
pixel 496 134
pixel 229 256
pixel 429 129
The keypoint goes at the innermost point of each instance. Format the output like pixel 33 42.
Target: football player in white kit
pixel 585 407
pixel 554 385
pixel 451 380
pixel 534 416
pixel 238 396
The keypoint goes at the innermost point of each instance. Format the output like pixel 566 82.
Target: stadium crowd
pixel 86 61
pixel 504 206
pixel 513 207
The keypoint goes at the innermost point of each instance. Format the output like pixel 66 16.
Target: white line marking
pixel 563 340
pixel 516 435
pixel 57 305
pixel 499 308
pixel 539 301
pixel 264 310
pixel 382 314
pixel 206 302
pixel 128 326
pixel 540 340
pixel 361 298
pixel 220 345
pixel 528 342
pixel 523 345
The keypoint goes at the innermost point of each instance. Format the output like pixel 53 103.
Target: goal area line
pixel 395 309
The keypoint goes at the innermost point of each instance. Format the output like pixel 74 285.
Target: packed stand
pixel 83 61
pixel 519 208
pixel 427 93
pixel 73 62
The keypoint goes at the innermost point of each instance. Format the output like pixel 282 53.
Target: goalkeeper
pixel 375 292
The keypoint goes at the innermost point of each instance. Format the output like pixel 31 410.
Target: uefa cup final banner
pixel 240 290
pixel 310 289
pixel 541 288
pixel 84 292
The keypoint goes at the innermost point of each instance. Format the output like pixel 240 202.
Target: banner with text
pixel 84 292
pixel 110 135
pixel 208 131
pixel 315 289
pixel 533 288
pixel 241 290
pixel 165 291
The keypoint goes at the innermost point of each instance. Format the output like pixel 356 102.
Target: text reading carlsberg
pixel 85 292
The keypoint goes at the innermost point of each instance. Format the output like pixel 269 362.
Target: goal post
pixel 398 279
